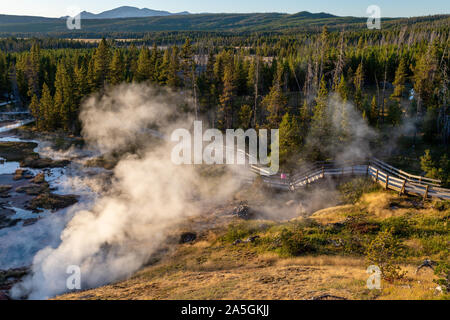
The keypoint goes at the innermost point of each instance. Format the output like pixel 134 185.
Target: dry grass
pixel 332 215
pixel 205 271
pixel 213 269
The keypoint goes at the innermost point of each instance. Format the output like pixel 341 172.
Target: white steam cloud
pixel 148 196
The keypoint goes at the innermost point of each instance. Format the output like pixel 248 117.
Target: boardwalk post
pixel 387 182
pixel 378 172
pixel 368 168
pixel 323 172
pixel 403 188
pixel 425 197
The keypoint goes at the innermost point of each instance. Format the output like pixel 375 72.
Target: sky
pixel 389 8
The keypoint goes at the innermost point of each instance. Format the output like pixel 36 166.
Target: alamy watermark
pixel 374 21
pixel 224 150
pixel 73 282
pixel 73 21
pixel 374 281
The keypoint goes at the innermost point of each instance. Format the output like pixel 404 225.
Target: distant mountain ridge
pixel 95 26
pixel 129 12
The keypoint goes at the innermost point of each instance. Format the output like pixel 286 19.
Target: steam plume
pixel 148 196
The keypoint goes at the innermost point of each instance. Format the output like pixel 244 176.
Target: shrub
pixel 385 251
pixel 442 205
pixel 352 191
pixel 438 244
pixel 359 225
pixel 243 230
pixel 400 226
pixel 294 242
pixel 443 272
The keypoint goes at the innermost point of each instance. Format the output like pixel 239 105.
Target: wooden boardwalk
pixel 382 173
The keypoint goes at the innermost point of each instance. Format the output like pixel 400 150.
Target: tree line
pixel 261 82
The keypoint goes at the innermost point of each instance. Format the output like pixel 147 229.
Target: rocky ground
pixel 25 190
pixel 8 278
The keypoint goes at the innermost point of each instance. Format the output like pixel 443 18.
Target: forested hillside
pixel 392 76
pixel 23 26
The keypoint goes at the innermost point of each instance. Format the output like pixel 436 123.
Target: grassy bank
pixel 301 258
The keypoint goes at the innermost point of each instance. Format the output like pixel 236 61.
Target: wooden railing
pixel 389 177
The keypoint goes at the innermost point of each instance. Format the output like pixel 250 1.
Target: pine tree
pixel 290 138
pixel 164 68
pixel 227 97
pixel 187 64
pixel 117 68
pixel 173 79
pixel 47 109
pixel 92 85
pixel 394 112
pixel 81 81
pixel 3 73
pixel 305 115
pixel 374 112
pixel 154 63
pixel 428 165
pixel 64 99
pixel 342 89
pixel 131 62
pixel 424 76
pixel 35 111
pixel 34 70
pixel 400 79
pixel 358 82
pixel 276 102
pixel 245 116
pixel 143 71
pixel 102 58
pixel 321 125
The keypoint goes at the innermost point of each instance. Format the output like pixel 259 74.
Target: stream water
pixel 19 244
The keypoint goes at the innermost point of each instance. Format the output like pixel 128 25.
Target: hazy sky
pixel 389 8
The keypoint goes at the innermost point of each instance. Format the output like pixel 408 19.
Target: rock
pixel 188 237
pixel 39 178
pixel 38 163
pixel 10 277
pixel 248 240
pixel 101 162
pixel 242 211
pixel 22 174
pixel 252 239
pixel 5 188
pixel 337 243
pixel 17 151
pixel 5 222
pixel 328 297
pixel 32 189
pixel 426 264
pixel 29 222
pixel 4 296
pixel 51 201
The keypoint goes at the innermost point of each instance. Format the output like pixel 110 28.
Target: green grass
pixel 306 236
